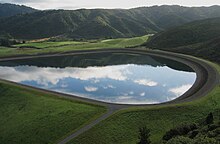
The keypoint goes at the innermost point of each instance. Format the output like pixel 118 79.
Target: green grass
pixel 49 44
pixel 56 47
pixel 123 126
pixel 28 116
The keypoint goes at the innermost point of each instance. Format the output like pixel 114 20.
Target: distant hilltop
pixel 28 23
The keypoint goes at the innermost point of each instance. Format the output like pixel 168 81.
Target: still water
pixel 116 78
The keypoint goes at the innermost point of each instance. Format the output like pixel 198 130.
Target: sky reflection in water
pixel 137 80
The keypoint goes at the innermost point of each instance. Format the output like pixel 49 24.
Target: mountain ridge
pixel 7 10
pixel 102 23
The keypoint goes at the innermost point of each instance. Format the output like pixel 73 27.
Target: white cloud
pixel 91 89
pixel 44 76
pixel 95 81
pixel 146 82
pixel 178 91
pixel 142 94
pixel 131 92
pixel 64 85
pixel 109 86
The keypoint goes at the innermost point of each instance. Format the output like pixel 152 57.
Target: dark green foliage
pixel 6 40
pixel 209 119
pixel 205 140
pixel 193 133
pixel 186 140
pixel 212 127
pixel 180 140
pixel 181 130
pixel 205 133
pixel 191 33
pixel 200 38
pixel 102 23
pixel 7 10
pixel 144 135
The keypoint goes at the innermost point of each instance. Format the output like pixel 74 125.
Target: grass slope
pixel 199 38
pixel 50 47
pixel 28 116
pixel 208 50
pixel 123 126
pixel 190 33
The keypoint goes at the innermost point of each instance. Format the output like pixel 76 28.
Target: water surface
pixel 116 78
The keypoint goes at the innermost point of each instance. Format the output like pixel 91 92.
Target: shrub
pixel 209 119
pixel 182 130
pixel 4 42
pixel 180 140
pixel 205 140
pixel 144 135
pixel 193 134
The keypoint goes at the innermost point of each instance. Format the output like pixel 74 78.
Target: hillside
pixel 7 10
pixel 199 38
pixel 208 50
pixel 102 23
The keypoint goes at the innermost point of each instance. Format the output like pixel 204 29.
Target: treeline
pixel 207 131
pixel 7 41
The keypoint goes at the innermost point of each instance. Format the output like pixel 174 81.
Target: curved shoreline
pixel 207 78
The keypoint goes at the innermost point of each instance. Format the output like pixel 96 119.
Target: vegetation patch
pixel 206 131
pixel 29 116
pixel 199 38
pixel 65 46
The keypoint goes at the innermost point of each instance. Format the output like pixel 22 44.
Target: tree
pixel 144 134
pixel 180 130
pixel 180 140
pixel 205 140
pixel 4 42
pixel 209 119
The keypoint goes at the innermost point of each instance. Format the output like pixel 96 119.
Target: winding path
pixel 207 79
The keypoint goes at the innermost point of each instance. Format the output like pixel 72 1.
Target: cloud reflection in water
pixel 128 83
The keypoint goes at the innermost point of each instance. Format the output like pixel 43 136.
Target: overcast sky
pixel 76 4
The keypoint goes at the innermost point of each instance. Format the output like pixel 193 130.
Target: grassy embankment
pixel 29 116
pixel 123 126
pixel 56 47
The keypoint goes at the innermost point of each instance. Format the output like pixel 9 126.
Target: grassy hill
pixel 46 47
pixel 29 116
pixel 102 23
pixel 7 10
pixel 199 38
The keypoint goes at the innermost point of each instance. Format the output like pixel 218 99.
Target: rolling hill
pixel 200 38
pixel 7 10
pixel 102 23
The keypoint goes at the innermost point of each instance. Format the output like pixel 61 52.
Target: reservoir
pixel 108 77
